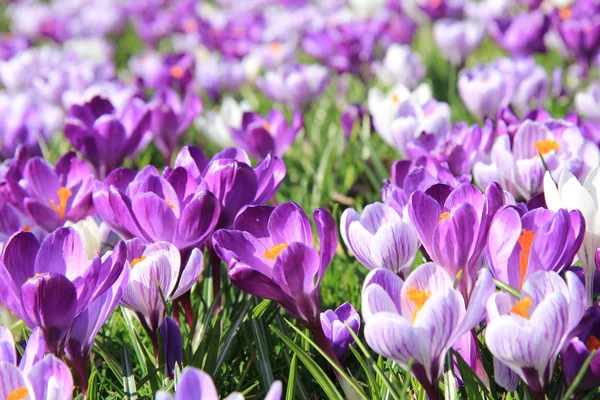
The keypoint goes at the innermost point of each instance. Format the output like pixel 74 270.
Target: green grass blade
pixel 291 383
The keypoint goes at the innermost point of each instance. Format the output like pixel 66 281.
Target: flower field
pixel 299 199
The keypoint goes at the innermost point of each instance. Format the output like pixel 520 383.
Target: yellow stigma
pixel 565 13
pixel 521 308
pixel 444 215
pixel 593 343
pixel 171 206
pixel 274 251
pixel 18 394
pixel 63 196
pixel 136 261
pixel 525 241
pixel 546 146
pixel 418 297
pixel 177 72
pixel 275 47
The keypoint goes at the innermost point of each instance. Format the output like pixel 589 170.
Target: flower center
pixel 418 297
pixel 274 251
pixel 435 3
pixel 177 72
pixel 565 13
pixel 26 228
pixel 171 206
pixel 444 215
pixel 63 195
pixel 267 127
pixel 593 343
pixel 18 394
pixel 136 261
pixel 275 47
pixel 395 98
pixel 521 308
pixel 189 25
pixel 525 241
pixel 546 146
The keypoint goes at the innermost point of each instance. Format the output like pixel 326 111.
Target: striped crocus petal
pixel 13 382
pixel 51 379
pixel 7 346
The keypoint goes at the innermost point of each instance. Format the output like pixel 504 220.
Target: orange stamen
pixel 275 47
pixel 395 98
pixel 565 13
pixel 593 343
pixel 189 25
pixel 525 241
pixel 418 297
pixel 444 215
pixel 171 206
pixel 26 228
pixel 267 127
pixel 136 261
pixel 177 72
pixel 546 146
pixel 18 394
pixel 521 308
pixel 274 251
pixel 63 196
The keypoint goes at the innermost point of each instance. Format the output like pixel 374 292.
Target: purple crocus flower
pixel 53 196
pixel 526 335
pixel 156 208
pixel 195 384
pixel 520 244
pixel 11 44
pixel 335 325
pixel 522 35
pixel 400 65
pixel 52 284
pixel 295 86
pixel 175 71
pixel 261 136
pixel 560 143
pixel 421 318
pixel 587 103
pixel 483 90
pixel 354 114
pixel 453 226
pixel 379 238
pixel 35 376
pixel 270 254
pixel 581 342
pixel 458 38
pixel 157 272
pixel 171 117
pixel 230 177
pixel 170 335
pixel 436 9
pixel 106 137
pixel 409 176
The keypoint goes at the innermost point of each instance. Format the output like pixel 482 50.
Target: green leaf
pixel 230 335
pixel 291 383
pixel 128 377
pixel 507 288
pixel 317 372
pixel 263 353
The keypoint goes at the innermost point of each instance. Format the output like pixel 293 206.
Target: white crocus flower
pixel 217 125
pixel 572 195
pixel 383 107
pixel 89 230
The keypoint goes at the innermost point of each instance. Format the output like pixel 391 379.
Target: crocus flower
pixel 104 137
pixel 453 226
pixel 421 318
pixel 458 38
pixel 195 384
pixel 400 66
pixel 379 238
pixel 436 9
pixel 157 208
pixel 572 195
pixel 157 272
pixel 230 177
pixel 587 103
pixel 270 254
pixel 295 86
pixel 217 125
pixel 520 244
pixel 522 35
pixel 580 343
pixel 261 136
pixel 483 90
pixel 170 335
pixel 335 325
pixel 173 71
pixel 171 117
pixel 526 335
pixel 353 115
pixel 53 196
pixel 52 284
pixel 35 376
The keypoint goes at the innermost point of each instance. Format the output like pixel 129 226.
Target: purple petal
pixel 288 224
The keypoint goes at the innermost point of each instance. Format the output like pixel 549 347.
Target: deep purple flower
pixel 522 35
pixel 584 339
pixel 353 115
pixel 436 9
pixel 270 254
pixel 295 86
pixel 155 208
pixel 421 318
pixel 53 196
pixel 379 238
pixel 172 344
pixel 335 325
pixel 175 71
pixel 171 117
pixel 453 226
pixel 52 284
pixel 527 335
pixel 261 136
pixel 520 244
pixel 398 28
pixel 104 136
pixel 11 44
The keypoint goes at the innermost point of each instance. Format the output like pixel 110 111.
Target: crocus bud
pixel 335 325
pixel 483 90
pixel 172 344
